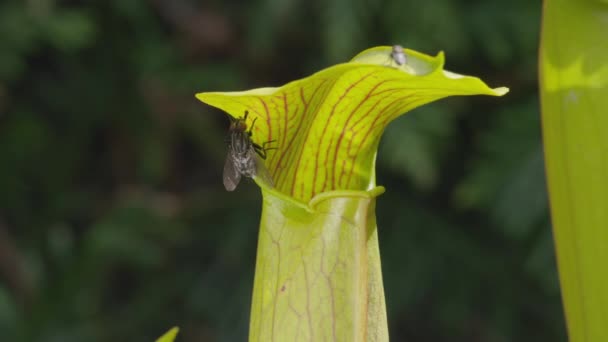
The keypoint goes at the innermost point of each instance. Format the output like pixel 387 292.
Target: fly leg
pixel 261 150
pixel 252 123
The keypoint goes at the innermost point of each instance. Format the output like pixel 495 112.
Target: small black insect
pixel 398 55
pixel 244 156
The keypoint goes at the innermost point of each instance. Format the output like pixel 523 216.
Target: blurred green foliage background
pixel 114 224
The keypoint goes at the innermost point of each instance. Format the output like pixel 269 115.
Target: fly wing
pixel 261 171
pixel 231 176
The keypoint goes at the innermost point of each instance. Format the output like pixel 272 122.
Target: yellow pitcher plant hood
pixel 327 126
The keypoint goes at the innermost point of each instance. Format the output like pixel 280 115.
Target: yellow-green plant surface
pixel 574 95
pixel 169 336
pixel 318 275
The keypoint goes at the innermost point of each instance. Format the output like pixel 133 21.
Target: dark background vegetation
pixel 114 224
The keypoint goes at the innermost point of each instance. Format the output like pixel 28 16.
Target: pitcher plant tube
pixel 318 274
pixel 573 88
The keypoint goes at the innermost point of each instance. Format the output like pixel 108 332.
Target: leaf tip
pixel 169 336
pixel 440 59
pixel 200 97
pixel 500 91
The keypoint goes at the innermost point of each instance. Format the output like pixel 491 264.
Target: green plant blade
pixel 318 274
pixel 169 336
pixel 574 89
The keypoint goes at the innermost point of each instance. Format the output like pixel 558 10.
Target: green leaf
pixel 318 274
pixel 574 88
pixel 70 30
pixel 169 336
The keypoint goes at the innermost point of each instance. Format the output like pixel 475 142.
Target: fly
pixel 398 55
pixel 245 158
